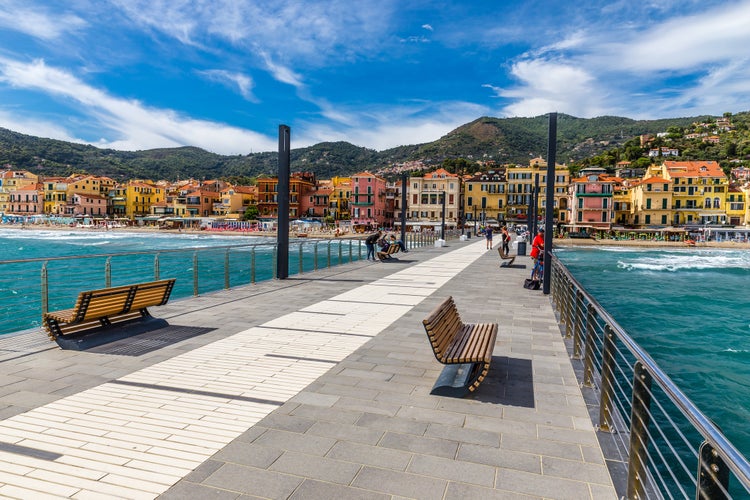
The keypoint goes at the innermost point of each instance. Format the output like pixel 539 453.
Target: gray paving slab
pixel 368 427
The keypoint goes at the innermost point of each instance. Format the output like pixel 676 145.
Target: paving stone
pixel 293 441
pixel 370 455
pixel 498 457
pixel 419 444
pixel 236 478
pixel 345 432
pixel 395 424
pixel 453 470
pixel 316 489
pixel 249 454
pixel 461 491
pixel 399 483
pixel 185 489
pixel 309 466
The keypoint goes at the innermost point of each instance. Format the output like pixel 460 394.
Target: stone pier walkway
pixel 313 387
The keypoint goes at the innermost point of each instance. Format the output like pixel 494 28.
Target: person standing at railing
pixel 537 253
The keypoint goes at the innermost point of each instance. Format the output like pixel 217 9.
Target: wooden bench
pixel 509 258
pixel 465 349
pixel 393 248
pixel 102 308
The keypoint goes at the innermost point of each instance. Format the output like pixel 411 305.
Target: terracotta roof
pixel 694 169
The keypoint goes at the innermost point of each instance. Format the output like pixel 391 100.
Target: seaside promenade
pixel 317 386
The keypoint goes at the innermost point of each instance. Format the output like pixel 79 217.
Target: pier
pixel 317 386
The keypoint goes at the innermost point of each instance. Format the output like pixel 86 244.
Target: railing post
pixel 108 273
pixel 588 360
pixel 350 251
pixel 608 378
pixel 45 290
pixel 157 272
pixel 195 273
pixel 639 420
pixel 328 262
pixel 252 265
pixel 341 253
pixel 315 256
pixel 359 249
pixel 226 270
pixel 301 263
pixel 713 475
pixel 275 256
pixel 578 330
pixel 570 310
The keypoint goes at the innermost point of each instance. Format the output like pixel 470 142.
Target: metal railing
pixel 672 449
pixel 31 287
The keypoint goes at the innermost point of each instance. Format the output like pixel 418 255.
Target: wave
pixel 673 262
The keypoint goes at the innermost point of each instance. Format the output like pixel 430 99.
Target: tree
pixel 251 213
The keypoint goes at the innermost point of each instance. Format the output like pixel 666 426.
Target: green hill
pixel 504 140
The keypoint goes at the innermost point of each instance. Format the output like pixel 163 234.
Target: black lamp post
pixel 442 224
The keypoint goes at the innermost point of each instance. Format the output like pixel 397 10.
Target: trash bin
pixel 521 248
pixel 468 235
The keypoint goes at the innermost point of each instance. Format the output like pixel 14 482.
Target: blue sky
pixel 223 74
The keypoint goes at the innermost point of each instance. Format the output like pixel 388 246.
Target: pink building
pixel 27 200
pixel 592 200
pixel 88 204
pixel 367 204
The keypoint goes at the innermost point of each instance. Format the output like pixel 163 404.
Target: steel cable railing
pixel 673 450
pixel 30 287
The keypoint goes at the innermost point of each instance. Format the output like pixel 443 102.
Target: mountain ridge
pixel 503 140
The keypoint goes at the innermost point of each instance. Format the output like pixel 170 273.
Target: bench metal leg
pixel 454 380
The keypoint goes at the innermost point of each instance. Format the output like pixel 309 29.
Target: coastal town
pixel 662 195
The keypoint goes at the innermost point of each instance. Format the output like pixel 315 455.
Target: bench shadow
pixel 131 339
pixel 510 381
pixel 514 266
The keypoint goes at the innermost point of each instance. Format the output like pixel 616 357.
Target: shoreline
pixel 328 235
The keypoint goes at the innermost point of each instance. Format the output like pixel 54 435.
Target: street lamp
pixel 442 224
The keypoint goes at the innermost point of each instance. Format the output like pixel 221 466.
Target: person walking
pixel 370 244
pixel 488 236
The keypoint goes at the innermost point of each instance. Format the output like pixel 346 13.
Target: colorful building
pixel 699 192
pixel 367 205
pixel 592 200
pixel 521 185
pixel 485 196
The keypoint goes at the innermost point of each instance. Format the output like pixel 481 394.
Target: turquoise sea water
pixel 203 260
pixel 689 309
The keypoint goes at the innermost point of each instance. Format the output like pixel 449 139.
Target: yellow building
pixel 55 195
pixel 521 182
pixel 235 200
pixel 135 198
pixel 485 196
pixel 652 202
pixel 699 192
pixel 736 206
pixel 338 201
pixel 11 181
pixel 90 184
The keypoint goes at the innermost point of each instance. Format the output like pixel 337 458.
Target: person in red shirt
pixel 537 252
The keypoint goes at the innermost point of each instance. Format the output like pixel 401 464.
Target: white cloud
pixel 132 124
pixel 17 16
pixel 687 43
pixel 547 86
pixel 242 83
pixel 428 27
